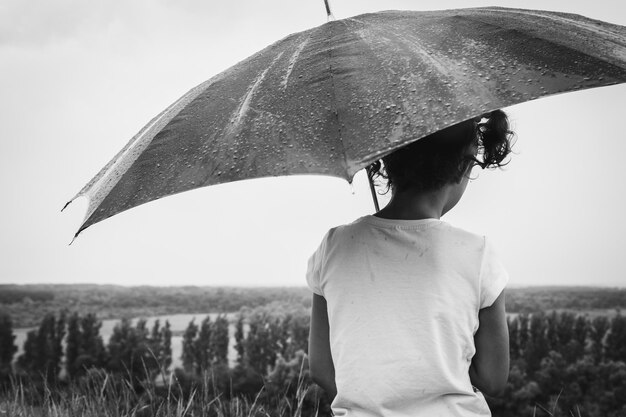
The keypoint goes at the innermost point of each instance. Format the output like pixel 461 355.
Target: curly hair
pixel 446 156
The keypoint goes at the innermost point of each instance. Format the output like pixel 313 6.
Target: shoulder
pixel 344 229
pixel 337 232
pixel 464 236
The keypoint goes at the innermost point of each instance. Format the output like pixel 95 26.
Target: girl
pixel 408 314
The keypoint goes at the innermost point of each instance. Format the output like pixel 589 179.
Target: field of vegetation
pixel 27 304
pixel 568 352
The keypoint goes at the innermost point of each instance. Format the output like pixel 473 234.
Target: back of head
pixel 447 155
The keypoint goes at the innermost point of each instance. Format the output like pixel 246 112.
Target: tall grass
pixel 554 410
pixel 99 394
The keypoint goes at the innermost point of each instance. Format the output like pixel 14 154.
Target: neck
pixel 411 205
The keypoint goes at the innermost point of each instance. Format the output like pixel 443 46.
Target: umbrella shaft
pixel 373 190
pixel 328 12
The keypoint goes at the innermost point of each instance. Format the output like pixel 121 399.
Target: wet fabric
pixel 403 298
pixel 332 99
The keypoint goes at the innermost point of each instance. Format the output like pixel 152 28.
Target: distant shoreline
pixel 27 304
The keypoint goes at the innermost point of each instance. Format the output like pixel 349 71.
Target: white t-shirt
pixel 403 298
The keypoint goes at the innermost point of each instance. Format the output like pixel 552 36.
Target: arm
pixel 320 360
pixel 489 370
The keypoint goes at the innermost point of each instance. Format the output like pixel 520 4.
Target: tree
pixel 145 355
pixel 30 359
pixel 84 346
pixel 43 349
pixel 219 341
pixel 552 335
pixel 162 342
pixel 597 332
pixel 550 375
pixel 92 350
pixel 575 348
pixel 56 344
pixel 72 345
pixel 537 347
pixel 121 346
pixel 7 344
pixel 205 347
pixel 240 339
pixel 523 335
pixel 298 334
pixel 514 348
pixel 189 357
pixel 565 328
pixel 287 377
pixel 581 328
pixel 260 344
pixel 130 351
pixel 616 339
pixel 202 346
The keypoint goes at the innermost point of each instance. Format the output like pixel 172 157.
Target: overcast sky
pixel 79 78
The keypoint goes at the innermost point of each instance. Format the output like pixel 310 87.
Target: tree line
pixel 270 344
pixel 561 363
pixel 565 364
pixel 270 347
pixel 66 346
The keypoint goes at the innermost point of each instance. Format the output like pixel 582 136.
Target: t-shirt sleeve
pixel 314 267
pixel 493 276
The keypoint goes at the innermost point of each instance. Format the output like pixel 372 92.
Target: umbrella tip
pixel 329 13
pixel 65 206
pixel 75 236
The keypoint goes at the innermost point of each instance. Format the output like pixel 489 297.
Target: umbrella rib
pixel 334 98
pixel 292 61
pixel 245 103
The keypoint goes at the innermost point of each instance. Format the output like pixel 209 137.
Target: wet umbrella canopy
pixel 333 99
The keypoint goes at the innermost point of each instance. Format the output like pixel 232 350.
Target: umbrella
pixel 333 99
